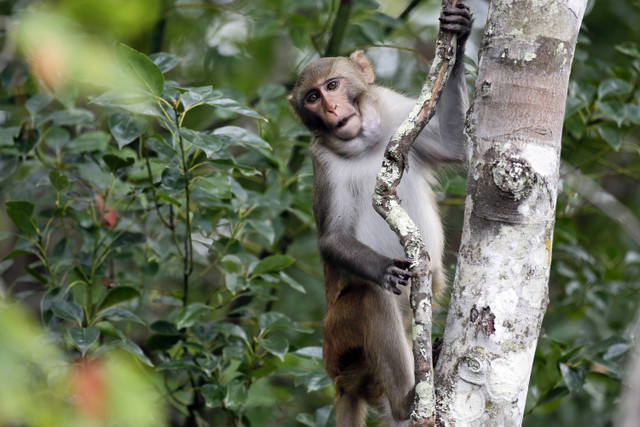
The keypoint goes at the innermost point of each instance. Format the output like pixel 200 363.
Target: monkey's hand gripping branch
pixel 387 204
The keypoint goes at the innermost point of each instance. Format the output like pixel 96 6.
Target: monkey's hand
pixel 397 273
pixel 457 20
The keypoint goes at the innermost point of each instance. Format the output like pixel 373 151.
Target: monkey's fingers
pixel 460 8
pixel 457 19
pixel 394 289
pixel 403 263
pixel 399 275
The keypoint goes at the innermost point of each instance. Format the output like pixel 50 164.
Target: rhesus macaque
pixel 367 342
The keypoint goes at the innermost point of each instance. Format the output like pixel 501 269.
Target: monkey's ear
pixel 290 99
pixel 363 63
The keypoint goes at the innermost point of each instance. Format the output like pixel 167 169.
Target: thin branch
pixel 339 28
pixel 387 204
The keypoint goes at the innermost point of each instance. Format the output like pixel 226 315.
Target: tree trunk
pixel 514 134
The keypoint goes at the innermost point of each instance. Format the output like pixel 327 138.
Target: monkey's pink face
pixel 329 101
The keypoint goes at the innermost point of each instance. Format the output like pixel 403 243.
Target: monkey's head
pixel 326 95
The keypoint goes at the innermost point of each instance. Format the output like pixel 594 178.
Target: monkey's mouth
pixel 343 122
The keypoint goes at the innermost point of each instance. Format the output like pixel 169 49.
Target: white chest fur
pixel 353 184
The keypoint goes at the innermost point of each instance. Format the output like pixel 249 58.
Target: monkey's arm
pixel 336 218
pixel 344 251
pixel 443 138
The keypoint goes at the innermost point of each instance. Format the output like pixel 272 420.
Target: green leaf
pixel 129 100
pixel 114 163
pixel 38 102
pixel 129 238
pixel 323 417
pixel 575 125
pixel 278 346
pixel 236 396
pixel 235 282
pixel 611 87
pixel 21 213
pixel 69 310
pixel 8 165
pixel 190 314
pixel 59 181
pixel 164 196
pixel 272 263
pixel 553 395
pixel 83 338
pixel 573 377
pixel 313 380
pixel 46 304
pixel 243 137
pixel 173 180
pixel 213 395
pixel 36 275
pixel 613 111
pixel 133 348
pixel 72 117
pixel 292 283
pixel 264 228
pixel 231 329
pixel 107 329
pixel 216 185
pixel 236 107
pixel 118 295
pixel 208 143
pixel 313 352
pixel 608 367
pixel 125 128
pixel 272 91
pixel 159 342
pixel 18 252
pixel 5 265
pixel 141 67
pixel 57 138
pixel 604 345
pixel 633 113
pixel 306 419
pixel 26 139
pixel 274 319
pixel 230 164
pixel 612 136
pixel 118 313
pixel 195 96
pixel 629 48
pixel 165 61
pixel 234 352
pixel 90 141
pixel 616 351
pixel 208 365
pixel 177 364
pixel 163 327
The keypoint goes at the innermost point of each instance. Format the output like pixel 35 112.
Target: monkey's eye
pixel 332 85
pixel 312 98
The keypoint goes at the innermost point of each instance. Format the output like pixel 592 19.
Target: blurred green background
pixel 158 251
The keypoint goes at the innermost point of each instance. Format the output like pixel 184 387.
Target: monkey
pixel 367 348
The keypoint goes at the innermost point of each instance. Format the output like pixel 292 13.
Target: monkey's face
pixel 326 96
pixel 331 101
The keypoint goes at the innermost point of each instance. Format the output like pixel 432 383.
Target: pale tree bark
pixel 514 134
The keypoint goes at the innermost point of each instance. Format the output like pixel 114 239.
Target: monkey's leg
pixel 389 352
pixel 350 409
pixel 389 420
